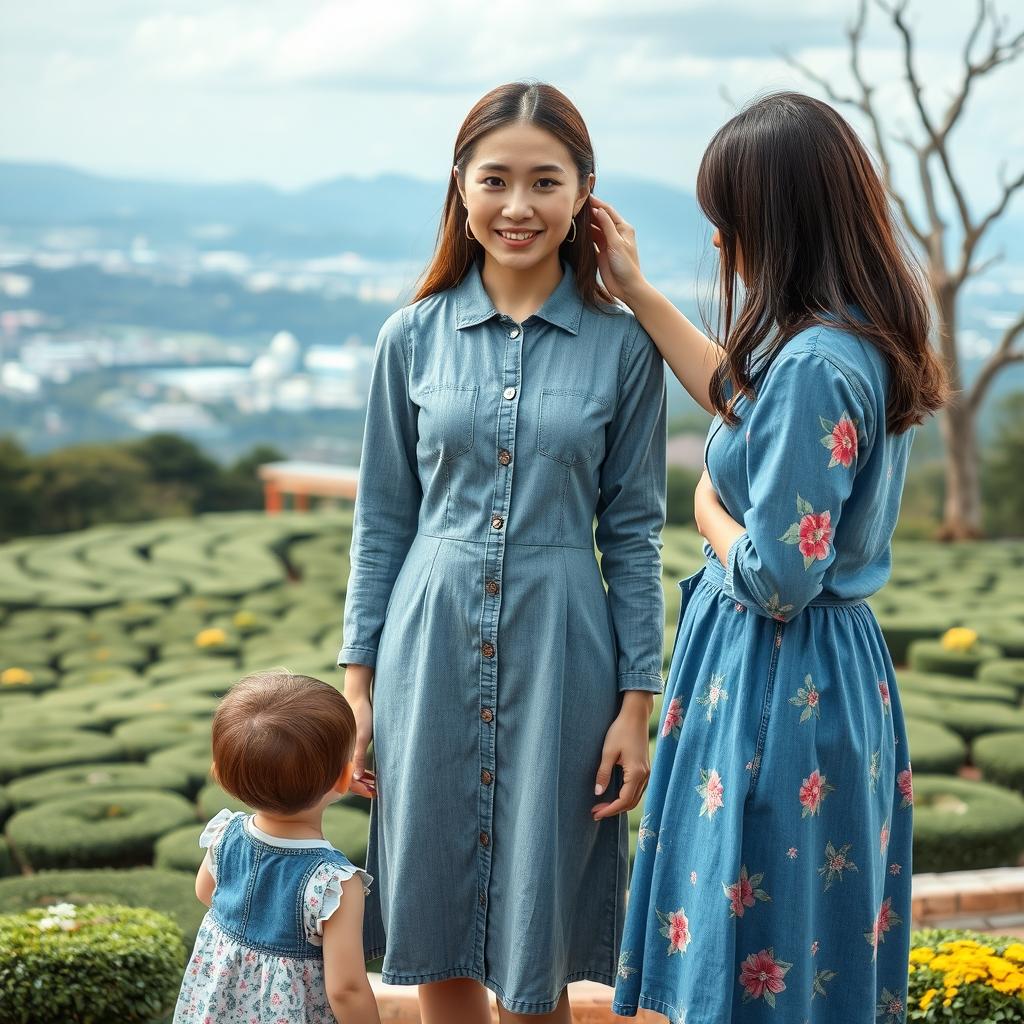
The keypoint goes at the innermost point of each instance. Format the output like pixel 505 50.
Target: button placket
pixel 494 557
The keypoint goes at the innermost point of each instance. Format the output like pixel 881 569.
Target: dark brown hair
pixel 788 184
pixel 533 103
pixel 280 741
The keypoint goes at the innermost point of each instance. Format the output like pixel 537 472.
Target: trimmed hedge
pixel 961 825
pixel 934 748
pixel 22 752
pixel 170 892
pixel 142 736
pixel 193 758
pixel 969 718
pixel 954 687
pixel 179 850
pixel 113 963
pixel 931 656
pixel 1004 671
pixel 94 778
pixel 1001 758
pixel 114 829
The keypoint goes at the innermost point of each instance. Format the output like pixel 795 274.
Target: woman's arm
pixel 690 354
pixel 348 988
pixel 630 518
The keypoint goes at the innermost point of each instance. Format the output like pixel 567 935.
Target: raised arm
pixel 690 354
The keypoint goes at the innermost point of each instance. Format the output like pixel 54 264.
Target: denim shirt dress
pixel 500 657
pixel 773 870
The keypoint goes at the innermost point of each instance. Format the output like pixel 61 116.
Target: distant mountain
pixel 388 216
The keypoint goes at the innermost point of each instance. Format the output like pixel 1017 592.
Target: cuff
pixel 728 584
pixel 357 656
pixel 649 681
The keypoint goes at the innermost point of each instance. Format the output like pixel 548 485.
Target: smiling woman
pixel 511 403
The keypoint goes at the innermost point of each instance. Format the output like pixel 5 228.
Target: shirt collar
pixel 562 308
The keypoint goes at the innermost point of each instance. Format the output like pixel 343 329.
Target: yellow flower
pixel 926 999
pixel 959 639
pixel 15 676
pixel 921 955
pixel 243 619
pixel 210 637
pixel 1015 951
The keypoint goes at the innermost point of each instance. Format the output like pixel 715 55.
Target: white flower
pixel 63 910
pixel 46 923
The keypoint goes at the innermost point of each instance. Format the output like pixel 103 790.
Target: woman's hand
pixel 617 255
pixel 357 693
pixel 626 743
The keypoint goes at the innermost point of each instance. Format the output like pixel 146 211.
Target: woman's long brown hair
pixel 533 103
pixel 795 195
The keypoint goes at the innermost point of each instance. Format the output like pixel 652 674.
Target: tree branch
pixel 1004 355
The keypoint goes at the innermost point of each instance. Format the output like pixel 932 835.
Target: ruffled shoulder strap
pixel 323 893
pixel 210 837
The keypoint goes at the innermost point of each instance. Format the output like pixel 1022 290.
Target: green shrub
pixel 934 748
pixel 1001 758
pixel 939 961
pixel 968 718
pixel 32 716
pixel 99 678
pixel 154 702
pixel 22 752
pixel 114 829
pixel 6 860
pixel 179 850
pixel 931 656
pixel 23 677
pixel 94 778
pixel 193 758
pixel 1004 671
pixel 1007 635
pixel 955 687
pixel 171 892
pixel 961 825
pixel 129 655
pixel 113 963
pixel 142 736
pixel 903 628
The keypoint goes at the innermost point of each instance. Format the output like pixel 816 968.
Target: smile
pixel 518 236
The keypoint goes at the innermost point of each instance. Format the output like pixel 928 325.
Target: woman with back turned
pixel 772 881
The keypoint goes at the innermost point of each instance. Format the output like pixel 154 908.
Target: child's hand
pixel 365 785
pixel 348 989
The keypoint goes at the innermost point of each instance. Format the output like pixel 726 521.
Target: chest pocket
pixel 569 425
pixel 446 420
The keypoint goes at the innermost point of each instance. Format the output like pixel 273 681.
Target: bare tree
pixel 947 274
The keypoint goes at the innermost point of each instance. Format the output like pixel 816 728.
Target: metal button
pixel 509 393
pixel 492 588
pixel 487 714
pixel 486 777
pixel 487 650
pixel 497 522
pixel 485 839
pixel 504 456
pixel 514 333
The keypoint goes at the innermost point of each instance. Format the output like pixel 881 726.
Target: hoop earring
pixel 469 234
pixel 572 237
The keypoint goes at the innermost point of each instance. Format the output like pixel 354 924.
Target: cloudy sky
pixel 300 91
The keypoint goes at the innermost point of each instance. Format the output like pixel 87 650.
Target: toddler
pixel 282 940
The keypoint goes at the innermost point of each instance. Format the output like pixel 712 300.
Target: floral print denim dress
pixel 772 879
pixel 491 446
pixel 258 957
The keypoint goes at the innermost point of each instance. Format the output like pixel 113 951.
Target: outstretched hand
pixel 618 259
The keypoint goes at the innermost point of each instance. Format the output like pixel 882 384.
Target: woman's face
pixel 521 190
pixel 716 241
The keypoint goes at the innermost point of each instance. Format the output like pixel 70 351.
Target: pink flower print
pixel 885 921
pixel 883 838
pixel 883 690
pixel 836 862
pixel 711 789
pixel 841 440
pixel 761 975
pixel 673 718
pixel 676 928
pixel 792 853
pixel 813 791
pixel 776 609
pixel 889 1006
pixel 807 697
pixel 895 869
pixel 905 781
pixel 713 695
pixel 740 607
pixel 811 533
pixel 693 878
pixel 275 999
pixel 815 946
pixel 744 892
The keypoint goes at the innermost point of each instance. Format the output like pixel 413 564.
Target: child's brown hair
pixel 280 741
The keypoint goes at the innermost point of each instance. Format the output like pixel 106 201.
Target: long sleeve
pixel 388 497
pixel 631 515
pixel 807 431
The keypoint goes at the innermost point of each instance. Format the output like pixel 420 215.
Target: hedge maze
pixel 116 643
